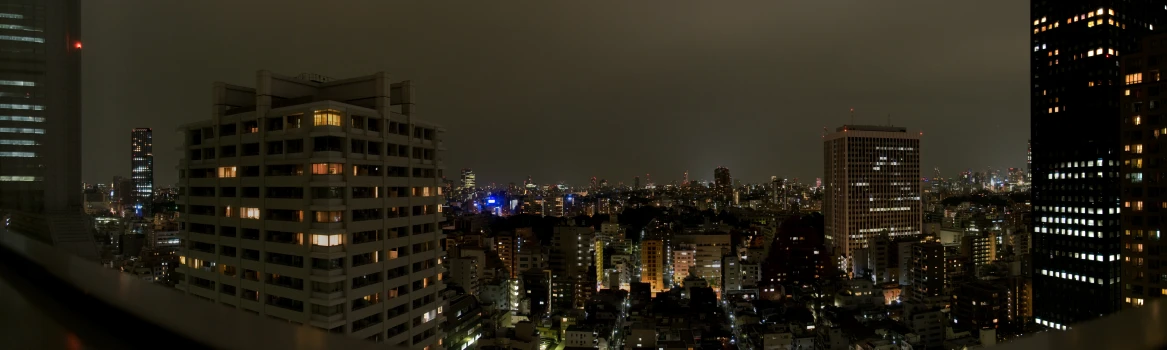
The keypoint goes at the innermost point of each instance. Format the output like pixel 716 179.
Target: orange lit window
pixel 327 168
pixel 1134 78
pixel 249 213
pixel 329 216
pixel 330 117
pixel 227 171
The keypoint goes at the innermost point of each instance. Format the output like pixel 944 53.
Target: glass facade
pixel 40 106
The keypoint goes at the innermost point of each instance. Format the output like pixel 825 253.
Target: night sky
pixel 563 91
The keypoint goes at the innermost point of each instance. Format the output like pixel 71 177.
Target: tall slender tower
pixel 142 171
pixel 873 186
pixel 1074 121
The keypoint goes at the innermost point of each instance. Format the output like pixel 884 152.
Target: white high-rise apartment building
pixel 872 178
pixel 316 201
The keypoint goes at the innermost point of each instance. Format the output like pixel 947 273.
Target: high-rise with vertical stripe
pixel 316 201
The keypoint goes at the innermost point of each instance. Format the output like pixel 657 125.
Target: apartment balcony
pixel 71 303
pixel 328 322
pixel 327 297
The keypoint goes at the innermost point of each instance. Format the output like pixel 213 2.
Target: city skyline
pixel 771 105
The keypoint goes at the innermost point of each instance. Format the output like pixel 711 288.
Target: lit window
pixel 1138 149
pixel 17 83
pixel 249 213
pixel 1138 120
pixel 327 168
pixel 329 216
pixel 1138 206
pixel 326 117
pixel 326 240
pixel 1134 78
pixel 227 171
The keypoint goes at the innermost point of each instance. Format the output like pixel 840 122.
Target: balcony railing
pixel 1134 329
pixel 71 302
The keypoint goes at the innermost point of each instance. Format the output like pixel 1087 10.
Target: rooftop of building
pixel 882 128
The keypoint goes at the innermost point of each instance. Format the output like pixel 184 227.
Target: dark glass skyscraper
pixel 142 171
pixel 1075 117
pixel 40 123
pixel 40 112
pixel 721 178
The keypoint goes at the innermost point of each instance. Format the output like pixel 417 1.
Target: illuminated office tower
pixel 40 123
pixel 872 178
pixel 142 171
pixel 316 201
pixel 1075 122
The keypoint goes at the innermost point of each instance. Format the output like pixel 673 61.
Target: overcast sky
pixel 566 90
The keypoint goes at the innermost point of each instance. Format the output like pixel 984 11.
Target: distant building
pixel 927 273
pixel 469 180
pixel 709 249
pixel 873 186
pixel 652 263
pixel 142 171
pixel 722 182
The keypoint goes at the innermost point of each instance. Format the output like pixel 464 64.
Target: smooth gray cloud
pixel 564 90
